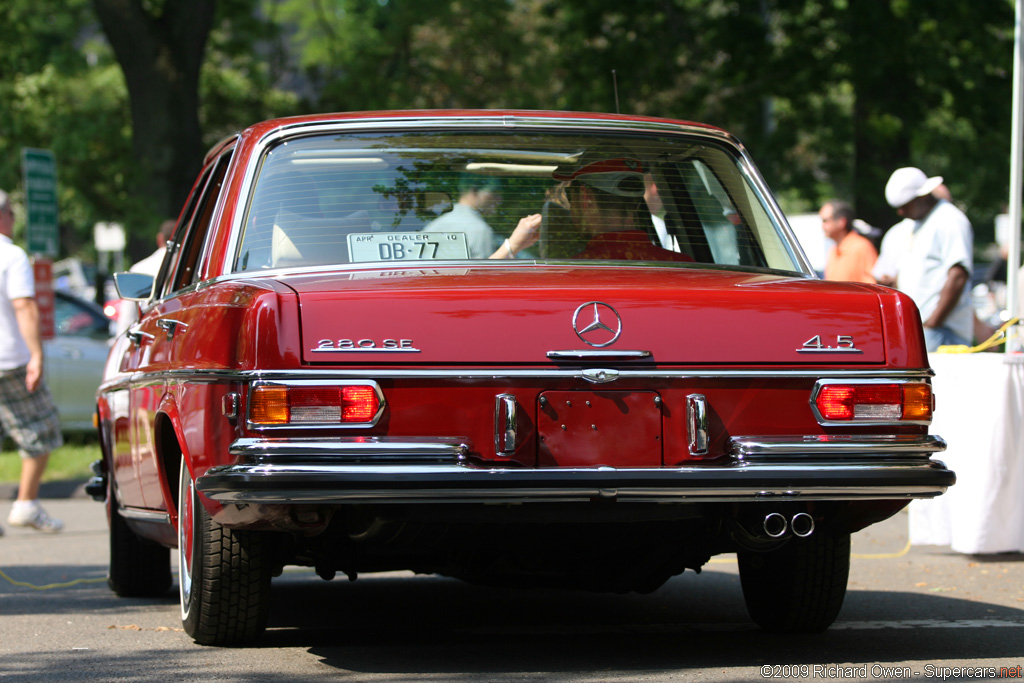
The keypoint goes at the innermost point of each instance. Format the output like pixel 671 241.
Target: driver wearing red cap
pixel 606 203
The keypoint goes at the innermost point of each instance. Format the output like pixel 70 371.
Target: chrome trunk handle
pixel 505 426
pixel 697 420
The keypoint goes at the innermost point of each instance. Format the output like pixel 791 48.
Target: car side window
pixel 193 237
pixel 72 319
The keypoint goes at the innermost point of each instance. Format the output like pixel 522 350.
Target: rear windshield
pixel 443 196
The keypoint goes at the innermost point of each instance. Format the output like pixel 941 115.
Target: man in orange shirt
pixel 853 256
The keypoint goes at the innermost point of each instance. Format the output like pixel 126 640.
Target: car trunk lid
pixel 491 314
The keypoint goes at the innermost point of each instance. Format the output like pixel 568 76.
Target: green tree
pixel 62 92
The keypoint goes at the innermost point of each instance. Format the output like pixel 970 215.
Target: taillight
pixel 313 404
pixel 874 402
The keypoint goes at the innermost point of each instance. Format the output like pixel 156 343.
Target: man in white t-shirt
pixel 27 412
pixel 931 254
pixel 477 195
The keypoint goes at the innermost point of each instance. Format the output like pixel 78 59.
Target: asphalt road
pixel 923 608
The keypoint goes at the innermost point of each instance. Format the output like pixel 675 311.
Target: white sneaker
pixel 35 516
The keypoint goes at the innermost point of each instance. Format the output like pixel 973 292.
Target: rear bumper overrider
pixel 758 469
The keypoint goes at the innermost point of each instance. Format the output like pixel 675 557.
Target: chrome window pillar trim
pixel 744 447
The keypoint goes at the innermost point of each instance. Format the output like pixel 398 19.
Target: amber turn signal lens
pixel 918 402
pixel 269 405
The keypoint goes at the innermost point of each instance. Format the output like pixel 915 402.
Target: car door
pixel 169 328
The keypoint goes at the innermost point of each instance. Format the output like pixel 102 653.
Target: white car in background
pixel 74 359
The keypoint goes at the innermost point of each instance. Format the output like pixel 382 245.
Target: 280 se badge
pixel 355 345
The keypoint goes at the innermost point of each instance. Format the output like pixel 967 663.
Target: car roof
pixel 262 128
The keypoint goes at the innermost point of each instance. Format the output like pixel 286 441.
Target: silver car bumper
pixel 758 469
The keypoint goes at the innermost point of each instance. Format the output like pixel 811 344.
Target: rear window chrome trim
pixel 507 122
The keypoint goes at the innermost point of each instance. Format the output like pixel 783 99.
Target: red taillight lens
pixel 874 402
pixel 359 404
pixel 308 405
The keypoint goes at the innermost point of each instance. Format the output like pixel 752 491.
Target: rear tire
pixel 798 588
pixel 224 575
pixel 138 568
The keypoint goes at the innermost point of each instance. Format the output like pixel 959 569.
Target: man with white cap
pixel 929 256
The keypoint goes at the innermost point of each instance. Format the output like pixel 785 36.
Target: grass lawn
pixel 70 461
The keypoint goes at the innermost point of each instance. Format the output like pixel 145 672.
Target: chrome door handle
pixel 172 326
pixel 137 337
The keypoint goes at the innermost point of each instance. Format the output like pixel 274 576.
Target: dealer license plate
pixel 407 246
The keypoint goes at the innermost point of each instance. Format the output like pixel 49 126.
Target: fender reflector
pixel 875 402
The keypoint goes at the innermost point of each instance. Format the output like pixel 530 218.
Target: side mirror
pixel 134 286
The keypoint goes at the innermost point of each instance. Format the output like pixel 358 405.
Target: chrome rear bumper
pixel 759 469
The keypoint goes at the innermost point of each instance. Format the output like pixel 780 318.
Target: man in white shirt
pixel 935 243
pixel 478 193
pixel 27 412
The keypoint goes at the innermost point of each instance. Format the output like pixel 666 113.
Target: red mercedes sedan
pixel 513 347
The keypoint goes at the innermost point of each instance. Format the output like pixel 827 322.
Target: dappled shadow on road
pixel 430 625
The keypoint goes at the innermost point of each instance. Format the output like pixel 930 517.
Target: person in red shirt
pixel 606 204
pixel 853 255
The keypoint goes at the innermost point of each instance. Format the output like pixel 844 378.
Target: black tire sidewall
pixel 798 588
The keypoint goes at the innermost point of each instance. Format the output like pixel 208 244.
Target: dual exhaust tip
pixel 776 525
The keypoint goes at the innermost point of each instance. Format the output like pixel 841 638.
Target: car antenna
pixel 615 87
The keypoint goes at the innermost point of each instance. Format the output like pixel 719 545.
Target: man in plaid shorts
pixel 27 412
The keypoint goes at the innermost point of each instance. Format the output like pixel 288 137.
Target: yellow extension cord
pixel 998 337
pixel 49 586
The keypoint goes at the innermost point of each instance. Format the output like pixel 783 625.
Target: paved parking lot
pixel 922 611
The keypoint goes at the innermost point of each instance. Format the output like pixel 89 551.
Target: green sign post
pixel 39 169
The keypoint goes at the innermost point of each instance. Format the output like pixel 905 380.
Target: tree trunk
pixel 161 57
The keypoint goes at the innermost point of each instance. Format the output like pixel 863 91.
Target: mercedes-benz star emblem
pixel 597 323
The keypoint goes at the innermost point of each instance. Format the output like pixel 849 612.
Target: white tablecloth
pixel 979 409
